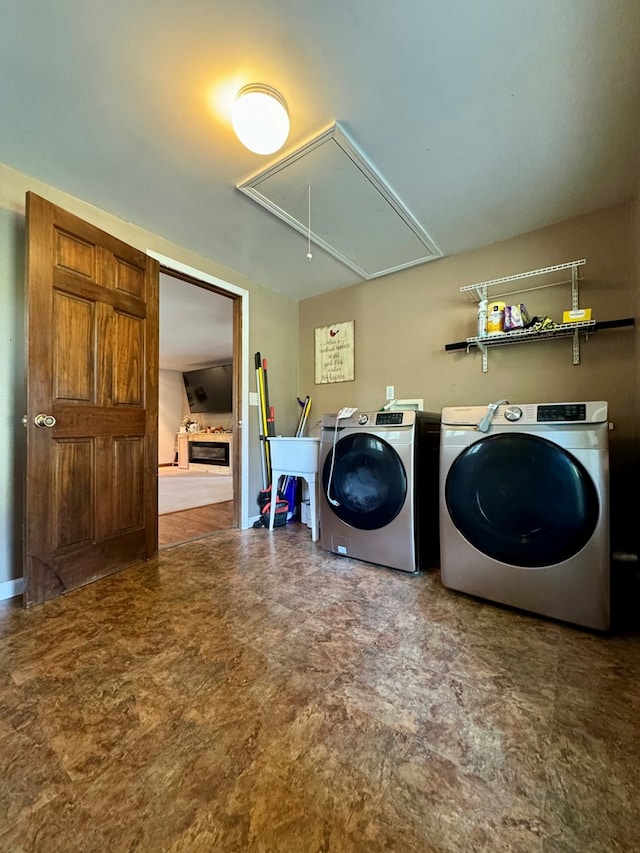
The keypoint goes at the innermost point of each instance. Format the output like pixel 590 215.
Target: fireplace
pixel 209 453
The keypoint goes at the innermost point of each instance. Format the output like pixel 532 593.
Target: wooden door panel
pixel 85 288
pixel 73 491
pixel 91 492
pixel 129 353
pixel 129 278
pixel 72 253
pixel 73 354
pixel 79 420
pixel 128 467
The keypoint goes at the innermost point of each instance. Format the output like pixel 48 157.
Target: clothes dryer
pixel 379 487
pixel 524 507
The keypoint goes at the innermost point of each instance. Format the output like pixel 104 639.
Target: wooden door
pixel 92 364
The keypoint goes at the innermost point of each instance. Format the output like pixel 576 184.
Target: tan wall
pixel 170 396
pixel 272 331
pixel 403 321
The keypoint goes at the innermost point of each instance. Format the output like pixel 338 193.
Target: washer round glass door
pixel 368 481
pixel 522 500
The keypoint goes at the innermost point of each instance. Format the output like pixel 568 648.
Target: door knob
pixel 44 421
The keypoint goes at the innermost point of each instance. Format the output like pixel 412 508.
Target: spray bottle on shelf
pixel 482 318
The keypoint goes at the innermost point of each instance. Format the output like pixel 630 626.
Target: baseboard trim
pixel 10 589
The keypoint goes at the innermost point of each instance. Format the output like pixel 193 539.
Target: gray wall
pixel 12 398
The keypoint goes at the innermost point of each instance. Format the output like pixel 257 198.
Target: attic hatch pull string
pixel 309 255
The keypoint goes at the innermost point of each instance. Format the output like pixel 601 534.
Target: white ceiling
pixel 487 118
pixel 196 326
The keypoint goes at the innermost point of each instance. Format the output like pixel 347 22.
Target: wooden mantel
pixel 209 436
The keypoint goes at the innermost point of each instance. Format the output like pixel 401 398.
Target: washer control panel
pixel 561 412
pixel 521 415
pixel 389 419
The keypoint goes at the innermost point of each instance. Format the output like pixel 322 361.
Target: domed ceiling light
pixel 260 118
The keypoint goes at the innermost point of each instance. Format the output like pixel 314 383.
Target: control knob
pixel 363 419
pixel 513 413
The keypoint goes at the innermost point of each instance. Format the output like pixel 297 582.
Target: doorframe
pixel 171 264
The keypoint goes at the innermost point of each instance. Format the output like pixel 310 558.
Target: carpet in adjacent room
pixel 178 492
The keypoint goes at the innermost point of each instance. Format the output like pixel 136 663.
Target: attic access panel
pixel 354 215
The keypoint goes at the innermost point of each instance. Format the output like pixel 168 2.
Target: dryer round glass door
pixel 522 500
pixel 368 481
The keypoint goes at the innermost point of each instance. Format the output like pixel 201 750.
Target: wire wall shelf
pixel 582 328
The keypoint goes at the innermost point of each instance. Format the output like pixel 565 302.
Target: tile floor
pixel 250 692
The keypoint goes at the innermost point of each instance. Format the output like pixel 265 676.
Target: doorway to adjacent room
pixel 200 328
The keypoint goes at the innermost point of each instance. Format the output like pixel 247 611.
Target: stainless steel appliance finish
pixel 524 508
pixel 379 488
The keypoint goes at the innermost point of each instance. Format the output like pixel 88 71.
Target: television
pixel 209 389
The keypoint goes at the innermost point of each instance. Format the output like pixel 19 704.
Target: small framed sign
pixel 335 353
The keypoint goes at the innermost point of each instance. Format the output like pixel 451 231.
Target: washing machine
pixel 379 487
pixel 524 507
